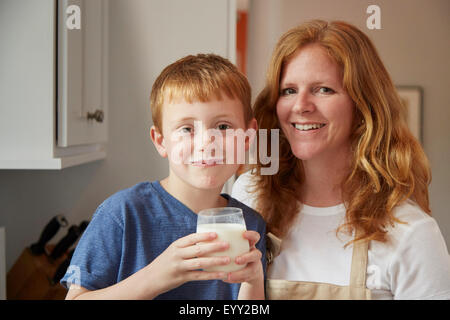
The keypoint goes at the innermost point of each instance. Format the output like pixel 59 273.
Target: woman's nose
pixel 304 103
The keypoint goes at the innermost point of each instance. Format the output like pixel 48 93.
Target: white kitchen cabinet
pixel 82 74
pixel 51 79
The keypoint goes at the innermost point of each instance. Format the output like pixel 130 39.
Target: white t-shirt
pixel 413 264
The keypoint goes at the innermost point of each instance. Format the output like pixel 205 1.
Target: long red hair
pixel 388 164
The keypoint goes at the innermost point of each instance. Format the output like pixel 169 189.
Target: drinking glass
pixel 229 224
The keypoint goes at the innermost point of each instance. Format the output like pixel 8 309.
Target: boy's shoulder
pixel 138 198
pixel 136 193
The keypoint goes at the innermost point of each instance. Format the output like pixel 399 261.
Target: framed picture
pixel 411 97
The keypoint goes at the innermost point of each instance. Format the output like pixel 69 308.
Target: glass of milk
pixel 229 224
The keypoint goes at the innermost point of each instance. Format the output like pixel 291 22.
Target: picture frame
pixel 412 98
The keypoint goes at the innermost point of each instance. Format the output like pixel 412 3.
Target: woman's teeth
pixel 306 127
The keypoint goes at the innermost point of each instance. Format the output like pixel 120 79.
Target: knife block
pixel 30 278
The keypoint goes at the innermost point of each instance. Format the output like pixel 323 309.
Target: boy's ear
pixel 158 141
pixel 253 126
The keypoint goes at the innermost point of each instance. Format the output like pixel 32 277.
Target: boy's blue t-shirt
pixel 133 227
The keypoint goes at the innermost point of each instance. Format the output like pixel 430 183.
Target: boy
pixel 141 242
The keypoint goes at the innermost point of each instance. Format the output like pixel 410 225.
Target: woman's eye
pixel 288 91
pixel 325 90
pixel 223 126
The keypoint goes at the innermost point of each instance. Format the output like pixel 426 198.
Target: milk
pixel 231 233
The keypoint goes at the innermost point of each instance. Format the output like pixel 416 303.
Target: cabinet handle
pixel 97 115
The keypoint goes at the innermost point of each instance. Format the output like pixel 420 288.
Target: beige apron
pixel 301 290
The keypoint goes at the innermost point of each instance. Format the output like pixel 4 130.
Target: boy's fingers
pixel 194 238
pixel 203 263
pixel 252 236
pixel 240 275
pixel 203 275
pixel 243 275
pixel 252 256
pixel 201 249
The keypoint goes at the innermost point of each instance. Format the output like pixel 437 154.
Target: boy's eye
pixel 223 126
pixel 288 91
pixel 186 130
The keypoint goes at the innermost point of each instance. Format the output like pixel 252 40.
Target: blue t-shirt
pixel 133 227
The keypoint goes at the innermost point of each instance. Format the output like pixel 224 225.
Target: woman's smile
pixel 308 128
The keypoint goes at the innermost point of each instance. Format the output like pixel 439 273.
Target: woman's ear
pixel 158 141
pixel 252 128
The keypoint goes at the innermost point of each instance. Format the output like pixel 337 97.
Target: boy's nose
pixel 206 139
pixel 208 143
pixel 201 139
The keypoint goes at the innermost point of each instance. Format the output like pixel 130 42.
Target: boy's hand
pixel 253 272
pixel 180 262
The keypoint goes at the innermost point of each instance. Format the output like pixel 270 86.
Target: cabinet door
pixel 82 72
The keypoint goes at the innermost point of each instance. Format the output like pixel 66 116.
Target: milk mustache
pixel 231 233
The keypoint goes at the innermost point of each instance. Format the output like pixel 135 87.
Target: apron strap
pixel 359 263
pixel 273 245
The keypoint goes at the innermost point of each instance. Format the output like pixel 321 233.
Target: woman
pixel 350 199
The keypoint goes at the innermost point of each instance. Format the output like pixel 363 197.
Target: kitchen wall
pixel 414 45
pixel 145 36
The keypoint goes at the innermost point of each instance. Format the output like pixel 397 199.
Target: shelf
pixel 54 163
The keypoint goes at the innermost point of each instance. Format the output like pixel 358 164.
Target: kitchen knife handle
pixel 66 242
pixel 83 225
pixel 62 269
pixel 49 232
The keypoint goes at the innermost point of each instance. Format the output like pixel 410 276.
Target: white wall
pixel 414 45
pixel 145 36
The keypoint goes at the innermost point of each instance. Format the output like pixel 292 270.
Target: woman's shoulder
pixel 243 189
pixel 411 213
pixel 411 218
pixel 246 177
pixel 419 263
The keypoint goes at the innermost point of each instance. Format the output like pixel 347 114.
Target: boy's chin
pixel 208 183
pixel 205 179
